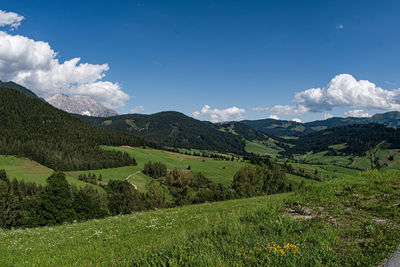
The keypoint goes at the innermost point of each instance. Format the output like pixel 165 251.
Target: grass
pixel 260 148
pixel 29 170
pixel 342 222
pixel 296 180
pixel 218 171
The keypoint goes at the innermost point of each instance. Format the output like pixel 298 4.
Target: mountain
pixel 291 128
pixel 13 85
pixel 353 139
pixel 80 105
pixel 174 129
pixel 278 127
pixel 32 128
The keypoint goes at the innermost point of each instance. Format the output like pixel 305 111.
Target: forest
pixel 357 140
pixel 32 128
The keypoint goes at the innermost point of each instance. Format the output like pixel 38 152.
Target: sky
pixel 213 60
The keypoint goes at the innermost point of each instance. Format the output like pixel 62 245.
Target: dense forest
pixel 32 128
pixel 356 140
pixel 174 129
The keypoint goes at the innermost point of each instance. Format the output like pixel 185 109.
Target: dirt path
pixel 129 176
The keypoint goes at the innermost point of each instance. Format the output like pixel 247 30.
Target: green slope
pixel 343 222
pixel 30 171
pixel 218 171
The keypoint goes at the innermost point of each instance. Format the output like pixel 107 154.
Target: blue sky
pixel 252 55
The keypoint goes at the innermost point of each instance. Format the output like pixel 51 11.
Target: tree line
pixel 25 204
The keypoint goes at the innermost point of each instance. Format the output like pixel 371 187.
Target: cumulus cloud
pixel 342 91
pixel 10 19
pixel 327 116
pixel 274 117
pixel 296 120
pixel 35 65
pixel 356 113
pixel 137 109
pixel 217 115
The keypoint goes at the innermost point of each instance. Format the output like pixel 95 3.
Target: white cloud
pixel 342 91
pixel 217 115
pixel 137 109
pixel 288 110
pixel 274 117
pixel 327 116
pixel 340 26
pixel 356 113
pixel 34 64
pixel 296 120
pixel 10 19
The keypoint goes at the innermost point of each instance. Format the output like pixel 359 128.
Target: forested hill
pixel 33 128
pixel 13 85
pixel 292 128
pixel 174 129
pixel 353 139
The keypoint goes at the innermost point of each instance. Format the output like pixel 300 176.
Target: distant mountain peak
pixel 83 105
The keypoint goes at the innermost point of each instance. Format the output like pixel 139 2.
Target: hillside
pixel 291 128
pixel 353 139
pixel 173 129
pixel 15 86
pixel 34 129
pixel 343 222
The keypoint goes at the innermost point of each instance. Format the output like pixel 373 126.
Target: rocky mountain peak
pixel 83 105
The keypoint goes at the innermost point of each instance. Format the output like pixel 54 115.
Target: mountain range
pixel 176 130
pixel 292 128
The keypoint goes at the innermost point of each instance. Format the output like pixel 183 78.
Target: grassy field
pixel 341 222
pixel 29 170
pixel 218 171
pixel 259 148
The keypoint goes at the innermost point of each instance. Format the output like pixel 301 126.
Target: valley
pixel 199 133
pixel 217 193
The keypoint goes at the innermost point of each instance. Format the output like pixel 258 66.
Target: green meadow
pixel 29 170
pixel 218 171
pixel 341 222
pixel 260 148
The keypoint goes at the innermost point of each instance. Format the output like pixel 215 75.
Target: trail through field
pixel 129 176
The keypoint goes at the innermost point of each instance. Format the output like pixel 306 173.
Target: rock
pixel 80 105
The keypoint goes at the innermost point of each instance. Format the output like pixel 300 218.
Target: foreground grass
pixel 340 222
